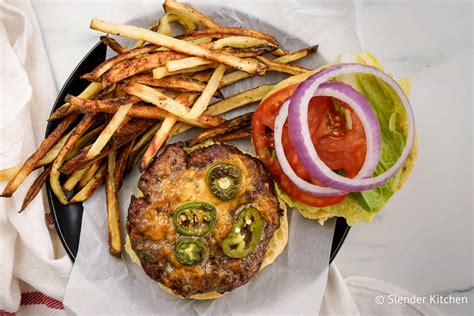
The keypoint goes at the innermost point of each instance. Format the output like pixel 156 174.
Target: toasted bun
pixel 274 249
pixel 349 208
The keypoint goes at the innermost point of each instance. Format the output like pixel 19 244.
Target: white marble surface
pixel 423 240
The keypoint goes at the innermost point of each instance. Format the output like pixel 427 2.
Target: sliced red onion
pixel 364 111
pixel 300 134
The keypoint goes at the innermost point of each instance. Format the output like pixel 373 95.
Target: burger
pixel 339 141
pixel 205 220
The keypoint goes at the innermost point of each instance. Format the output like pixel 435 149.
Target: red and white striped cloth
pixel 34 268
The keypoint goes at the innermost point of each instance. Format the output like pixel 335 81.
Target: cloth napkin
pixel 34 268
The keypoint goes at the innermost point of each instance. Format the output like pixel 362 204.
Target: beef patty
pixel 176 178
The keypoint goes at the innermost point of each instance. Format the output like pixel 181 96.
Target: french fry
pixel 279 52
pixel 35 187
pixel 154 27
pixel 175 82
pixel 222 32
pixel 186 63
pixel 240 42
pixel 53 152
pixel 167 19
pixel 92 90
pixel 7 174
pixel 237 123
pixel 239 100
pixel 109 130
pixel 74 179
pixel 163 132
pixel 203 101
pixel 234 135
pixel 179 46
pixel 131 67
pixel 121 164
pixel 83 125
pixel 187 13
pixel 113 212
pixel 31 162
pixel 141 111
pixel 113 44
pixel 109 63
pixel 238 75
pixel 87 191
pixel 123 135
pixel 203 76
pixel 276 66
pixel 140 144
pixel 91 171
pixel 162 71
pixel 85 140
pixel 288 58
pixel 150 95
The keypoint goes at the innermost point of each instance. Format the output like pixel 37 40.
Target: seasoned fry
pixel 141 111
pixel 203 76
pixel 123 135
pixel 175 82
pixel 113 212
pixel 167 19
pixel 74 179
pixel 35 187
pixel 237 123
pixel 109 130
pixel 83 125
pixel 150 95
pixel 53 152
pixel 222 32
pixel 113 44
pixel 122 157
pixel 141 144
pixel 91 171
pixel 201 104
pixel 154 27
pixel 276 66
pixel 279 52
pixel 131 67
pixel 186 63
pixel 234 135
pixel 288 58
pixel 188 13
pixel 240 42
pixel 7 174
pixel 161 72
pixel 109 63
pixel 85 140
pixel 31 162
pixel 162 134
pixel 87 191
pixel 239 100
pixel 92 90
pixel 179 46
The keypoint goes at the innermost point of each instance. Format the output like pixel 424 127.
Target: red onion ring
pixel 361 107
pixel 300 135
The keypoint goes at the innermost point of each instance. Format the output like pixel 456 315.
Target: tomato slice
pixel 341 148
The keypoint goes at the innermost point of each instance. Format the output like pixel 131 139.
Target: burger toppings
pixel 245 234
pixel 224 181
pixel 194 218
pixel 190 252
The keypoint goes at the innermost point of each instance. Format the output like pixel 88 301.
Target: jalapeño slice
pixel 190 251
pixel 224 181
pixel 245 235
pixel 195 218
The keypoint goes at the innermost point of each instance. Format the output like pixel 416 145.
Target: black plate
pixel 68 218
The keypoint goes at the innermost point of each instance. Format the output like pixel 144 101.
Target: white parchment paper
pixel 295 282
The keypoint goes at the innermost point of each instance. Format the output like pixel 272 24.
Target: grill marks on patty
pixel 176 177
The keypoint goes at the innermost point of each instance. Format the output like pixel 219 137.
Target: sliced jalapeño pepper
pixel 190 251
pixel 194 218
pixel 224 181
pixel 245 235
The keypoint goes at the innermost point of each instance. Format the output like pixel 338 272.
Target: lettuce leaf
pixel 392 117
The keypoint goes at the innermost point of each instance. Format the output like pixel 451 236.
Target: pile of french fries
pixel 139 99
